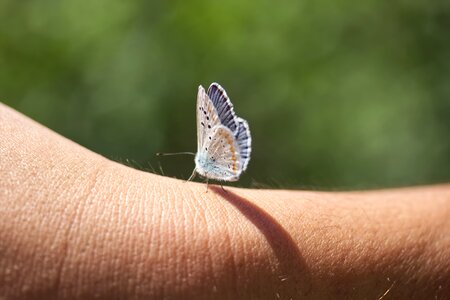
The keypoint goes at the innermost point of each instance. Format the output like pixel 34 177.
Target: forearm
pixel 74 224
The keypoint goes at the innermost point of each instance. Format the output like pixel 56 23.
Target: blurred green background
pixel 338 94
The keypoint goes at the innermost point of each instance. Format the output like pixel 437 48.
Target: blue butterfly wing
pixel 244 142
pixel 223 106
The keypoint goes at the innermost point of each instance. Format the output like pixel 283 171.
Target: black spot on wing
pixel 223 106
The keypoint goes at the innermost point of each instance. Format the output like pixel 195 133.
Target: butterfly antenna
pixel 176 153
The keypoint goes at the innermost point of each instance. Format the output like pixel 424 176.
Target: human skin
pixel 75 225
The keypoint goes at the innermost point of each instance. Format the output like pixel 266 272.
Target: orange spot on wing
pixel 233 156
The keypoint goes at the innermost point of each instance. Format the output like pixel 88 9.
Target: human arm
pixel 74 224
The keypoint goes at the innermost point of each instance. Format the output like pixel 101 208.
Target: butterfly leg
pixel 223 189
pixel 207 184
pixel 192 176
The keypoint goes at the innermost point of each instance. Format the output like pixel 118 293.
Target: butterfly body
pixel 223 139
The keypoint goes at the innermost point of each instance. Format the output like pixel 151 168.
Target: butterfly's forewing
pixel 223 106
pixel 207 118
pixel 220 156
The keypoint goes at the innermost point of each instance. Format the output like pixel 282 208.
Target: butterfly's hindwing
pixel 220 159
pixel 244 142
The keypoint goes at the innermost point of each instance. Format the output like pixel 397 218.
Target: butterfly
pixel 223 139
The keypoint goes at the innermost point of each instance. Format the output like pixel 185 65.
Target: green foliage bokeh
pixel 338 94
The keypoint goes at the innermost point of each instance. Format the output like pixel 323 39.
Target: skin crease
pixel 74 225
